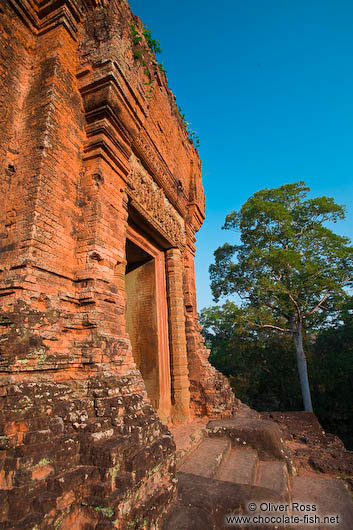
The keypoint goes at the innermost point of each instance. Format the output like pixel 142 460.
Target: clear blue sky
pixel 268 87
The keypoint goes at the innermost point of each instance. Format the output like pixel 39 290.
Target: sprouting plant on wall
pixel 141 54
pixel 182 115
pixel 155 45
pixel 192 136
pixel 149 83
pixel 136 37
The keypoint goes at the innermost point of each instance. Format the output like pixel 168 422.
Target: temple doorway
pixel 147 319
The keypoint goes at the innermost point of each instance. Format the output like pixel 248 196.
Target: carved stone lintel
pixel 150 156
pixel 155 206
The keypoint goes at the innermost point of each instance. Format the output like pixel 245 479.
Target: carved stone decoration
pixel 155 205
pixel 145 148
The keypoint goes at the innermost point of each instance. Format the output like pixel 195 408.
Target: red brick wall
pixel 80 443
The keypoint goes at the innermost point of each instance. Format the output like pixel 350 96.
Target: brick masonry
pixel 92 146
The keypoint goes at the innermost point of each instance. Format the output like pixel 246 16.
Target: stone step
pixel 239 466
pixel 262 435
pixel 330 497
pixel 274 475
pixel 207 457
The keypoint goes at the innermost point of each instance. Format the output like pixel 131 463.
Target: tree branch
pixel 305 227
pixel 326 296
pixel 319 304
pixel 270 326
pixel 348 280
pixel 271 306
pixel 296 305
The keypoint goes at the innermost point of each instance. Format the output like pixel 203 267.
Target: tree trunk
pixel 302 367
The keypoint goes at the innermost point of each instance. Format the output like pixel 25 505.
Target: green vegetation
pixel 155 45
pixel 113 471
pixel 42 357
pixel 107 511
pixel 162 69
pixel 136 37
pixel 193 137
pixel 260 365
pixel 44 462
pixel 140 54
pixel 291 273
pixel 262 371
pixel 332 374
pixel 290 269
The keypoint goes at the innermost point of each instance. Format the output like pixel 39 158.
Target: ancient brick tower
pixel 100 345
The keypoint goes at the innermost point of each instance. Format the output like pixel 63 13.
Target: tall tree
pixel 289 268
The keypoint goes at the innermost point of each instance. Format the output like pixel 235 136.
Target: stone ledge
pixel 264 436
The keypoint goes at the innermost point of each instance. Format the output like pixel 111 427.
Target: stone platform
pixel 247 460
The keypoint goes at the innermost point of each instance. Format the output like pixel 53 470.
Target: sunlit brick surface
pixel 91 145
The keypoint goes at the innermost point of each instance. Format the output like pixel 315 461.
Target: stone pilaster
pixel 179 364
pixel 210 392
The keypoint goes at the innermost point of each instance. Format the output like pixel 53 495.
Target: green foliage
pixel 136 37
pixel 162 69
pixel 289 269
pixel 286 256
pixel 192 136
pixel 44 462
pixel 148 74
pixel 260 365
pixel 113 471
pixel 332 374
pixel 141 54
pixel 182 115
pixel 155 45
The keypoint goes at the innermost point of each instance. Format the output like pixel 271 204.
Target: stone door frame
pixel 164 369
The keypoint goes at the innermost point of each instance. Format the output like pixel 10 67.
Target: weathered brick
pixel 99 179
